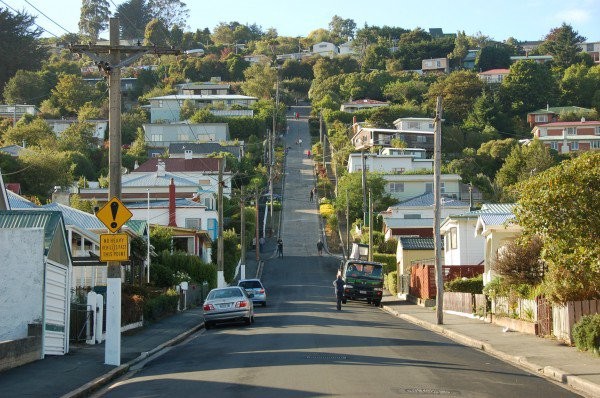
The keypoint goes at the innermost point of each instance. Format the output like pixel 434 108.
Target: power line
pixel 36 24
pixel 47 17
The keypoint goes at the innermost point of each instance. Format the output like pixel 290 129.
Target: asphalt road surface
pixel 301 346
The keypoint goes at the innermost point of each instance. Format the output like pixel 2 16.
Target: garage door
pixel 56 310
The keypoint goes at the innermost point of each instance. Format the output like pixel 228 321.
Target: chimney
pixel 187 153
pixel 160 168
pixel 582 119
pixel 354 124
pixel 172 222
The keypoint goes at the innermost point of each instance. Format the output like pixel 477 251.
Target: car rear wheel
pixel 264 303
pixel 343 301
pixel 377 303
pixel 207 325
pixel 248 320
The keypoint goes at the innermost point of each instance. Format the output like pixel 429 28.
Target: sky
pixel 522 19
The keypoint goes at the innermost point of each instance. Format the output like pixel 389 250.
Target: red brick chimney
pixel 172 222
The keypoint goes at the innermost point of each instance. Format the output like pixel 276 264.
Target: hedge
pixel 388 261
pixel 465 285
pixel 161 306
pixel 391 282
pixel 189 264
pixel 586 333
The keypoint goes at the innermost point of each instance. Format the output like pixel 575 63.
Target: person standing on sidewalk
pixel 312 194
pixel 279 248
pixel 320 247
pixel 339 290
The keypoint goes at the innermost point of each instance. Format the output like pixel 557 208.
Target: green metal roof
pixel 561 109
pixel 49 221
pixel 417 243
pixel 137 226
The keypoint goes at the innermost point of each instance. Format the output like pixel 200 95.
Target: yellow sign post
pixel 114 247
pixel 114 214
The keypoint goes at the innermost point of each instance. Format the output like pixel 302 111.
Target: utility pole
pixel 347 224
pixel 112 69
pixel 363 158
pixel 321 130
pixel 272 157
pixel 220 251
pixel 242 235
pixel 437 241
pixel 370 227
pixel 256 230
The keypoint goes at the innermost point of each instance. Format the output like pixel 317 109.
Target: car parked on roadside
pixel 256 288
pixel 228 304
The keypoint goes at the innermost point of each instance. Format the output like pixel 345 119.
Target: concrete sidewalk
pixel 545 357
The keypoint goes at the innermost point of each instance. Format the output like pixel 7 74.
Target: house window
pixel 595 144
pixel 396 187
pixel 453 238
pixel 554 145
pixel 597 131
pixel 180 102
pixel 412 125
pixel 208 203
pixel 442 187
pixel 428 187
pixel 183 137
pixel 156 137
pixel 541 118
pixel 421 138
pixel 589 47
pixel 160 103
pixel 193 223
pixel 575 146
pixel 571 130
pixel 155 154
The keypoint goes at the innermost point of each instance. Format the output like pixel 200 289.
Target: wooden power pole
pixel 437 239
pixel 242 234
pixel 111 68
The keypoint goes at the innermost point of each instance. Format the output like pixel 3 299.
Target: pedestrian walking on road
pixel 339 290
pixel 320 247
pixel 261 244
pixel 312 194
pixel 279 248
pixel 254 243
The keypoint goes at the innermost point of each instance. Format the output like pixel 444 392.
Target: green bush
pixel 161 276
pixel 180 262
pixel 161 306
pixel 586 333
pixel 465 285
pixel 388 261
pixel 391 282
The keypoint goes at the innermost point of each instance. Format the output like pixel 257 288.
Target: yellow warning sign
pixel 114 247
pixel 114 214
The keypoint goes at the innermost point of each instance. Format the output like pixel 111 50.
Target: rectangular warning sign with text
pixel 114 247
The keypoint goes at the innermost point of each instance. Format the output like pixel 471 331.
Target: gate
pixel 82 323
pixel 544 316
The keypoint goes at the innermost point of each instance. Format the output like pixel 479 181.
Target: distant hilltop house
pixel 416 132
pixel 366 103
pixel 207 88
pixel 592 48
pixel 553 114
pixel 566 137
pixel 493 76
pixel 325 49
pixel 435 65
pixel 100 126
pixel 540 59
pixel 167 108
pixel 12 150
pixel 15 112
pixel 160 135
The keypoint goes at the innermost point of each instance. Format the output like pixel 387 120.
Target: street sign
pixel 114 247
pixel 114 214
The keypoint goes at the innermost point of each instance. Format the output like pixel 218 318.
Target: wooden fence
pixel 422 277
pixel 564 317
pixel 465 302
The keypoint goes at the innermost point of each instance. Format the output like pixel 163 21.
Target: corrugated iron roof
pixel 18 202
pixel 179 164
pixel 409 222
pixel 152 180
pixel 496 219
pixel 426 200
pixel 47 220
pixel 181 202
pixel 76 217
pixel 137 226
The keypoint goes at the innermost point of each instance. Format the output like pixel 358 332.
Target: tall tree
pixel 25 87
pixel 562 44
pixel 461 48
pixel 260 81
pixel 493 57
pixel 19 48
pixel 528 86
pixel 342 29
pixel 134 15
pixel 170 12
pixel 94 17
pixel 156 33
pixel 459 91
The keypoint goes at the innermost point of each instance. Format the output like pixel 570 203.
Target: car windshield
pixel 364 270
pixel 250 284
pixel 224 293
